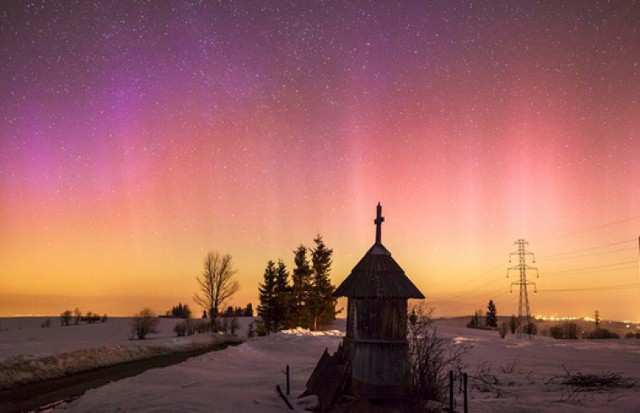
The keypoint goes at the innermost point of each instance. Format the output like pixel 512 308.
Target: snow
pixel 523 368
pixel 506 375
pixel 29 352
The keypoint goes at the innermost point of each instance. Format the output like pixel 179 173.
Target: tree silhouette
pixel 216 284
pixel 492 315
pixel 322 304
pixel 301 289
pixel 267 293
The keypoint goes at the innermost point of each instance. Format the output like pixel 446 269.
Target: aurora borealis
pixel 137 135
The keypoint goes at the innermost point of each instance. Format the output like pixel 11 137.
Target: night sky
pixel 137 136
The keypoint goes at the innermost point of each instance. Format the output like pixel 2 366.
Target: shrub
pixel 91 318
pixel 180 328
pixel 143 323
pixel 222 325
pixel 513 324
pixel 530 329
pixel 261 329
pixel 202 326
pixel 65 318
pixel 431 358
pixel 233 325
pixel 251 331
pixel 502 330
pixel 77 315
pixel 565 330
pixel 46 323
pixel 602 334
pixel 104 318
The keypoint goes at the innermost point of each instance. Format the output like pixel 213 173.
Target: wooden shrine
pixel 373 360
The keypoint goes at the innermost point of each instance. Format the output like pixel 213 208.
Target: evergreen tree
pixel 322 304
pixel 181 311
pixel 476 320
pixel 282 302
pixel 228 312
pixel 248 311
pixel 301 289
pixel 492 315
pixel 267 296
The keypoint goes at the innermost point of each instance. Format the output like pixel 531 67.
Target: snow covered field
pixel 29 352
pixel 509 375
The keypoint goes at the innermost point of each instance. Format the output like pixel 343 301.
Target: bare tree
pixel 216 284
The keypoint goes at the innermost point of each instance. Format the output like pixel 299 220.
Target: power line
pixel 596 267
pixel 588 249
pixel 587 255
pixel 570 273
pixel 600 288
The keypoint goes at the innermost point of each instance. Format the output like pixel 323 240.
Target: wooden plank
pixel 283 397
pixel 328 379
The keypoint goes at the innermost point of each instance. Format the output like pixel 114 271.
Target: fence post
pixel 464 384
pixel 451 391
pixel 288 381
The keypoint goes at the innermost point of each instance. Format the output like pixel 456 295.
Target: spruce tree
pixel 322 304
pixel 267 296
pixel 492 315
pixel 248 311
pixel 282 298
pixel 301 289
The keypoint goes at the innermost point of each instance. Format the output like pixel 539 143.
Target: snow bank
pixel 27 369
pixel 299 331
pixel 30 353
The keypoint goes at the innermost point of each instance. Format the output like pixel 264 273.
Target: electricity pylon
pixel 524 310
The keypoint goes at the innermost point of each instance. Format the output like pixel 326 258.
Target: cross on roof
pixel 378 221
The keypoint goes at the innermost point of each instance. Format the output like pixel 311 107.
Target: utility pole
pixel 524 311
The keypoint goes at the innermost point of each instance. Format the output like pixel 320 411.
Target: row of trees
pixel 307 301
pixel 67 316
pixel 489 320
pixel 239 311
pixel 180 311
pixel 183 311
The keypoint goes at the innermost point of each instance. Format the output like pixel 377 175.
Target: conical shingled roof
pixel 377 275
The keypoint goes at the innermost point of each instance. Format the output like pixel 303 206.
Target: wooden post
pixel 288 388
pixel 451 391
pixel 283 397
pixel 464 384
